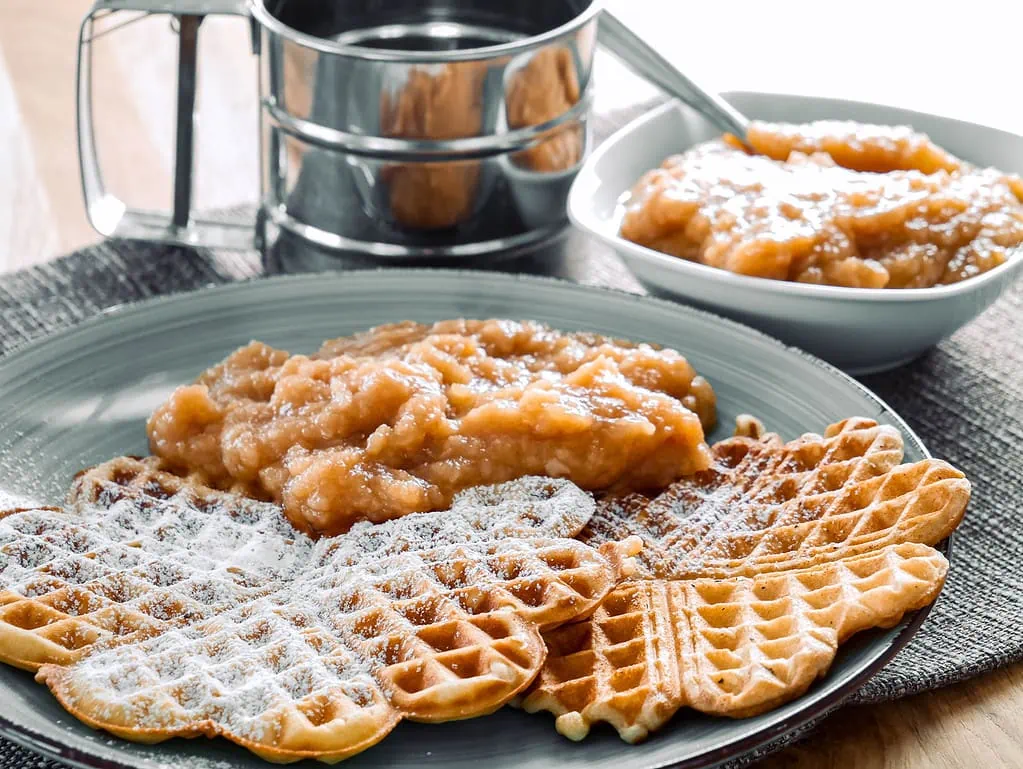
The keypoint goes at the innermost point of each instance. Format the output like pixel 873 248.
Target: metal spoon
pixel 639 56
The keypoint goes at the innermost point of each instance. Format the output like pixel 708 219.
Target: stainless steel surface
pixel 439 130
pixel 188 50
pixel 636 53
pixel 403 132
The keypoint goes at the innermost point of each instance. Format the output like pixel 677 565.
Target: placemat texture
pixel 964 398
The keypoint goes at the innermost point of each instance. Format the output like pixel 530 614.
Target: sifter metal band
pixel 402 130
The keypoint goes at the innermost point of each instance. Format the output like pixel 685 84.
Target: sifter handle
pixel 109 215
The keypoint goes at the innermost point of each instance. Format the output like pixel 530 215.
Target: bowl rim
pixel 581 214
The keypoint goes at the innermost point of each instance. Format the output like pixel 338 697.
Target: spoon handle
pixel 640 56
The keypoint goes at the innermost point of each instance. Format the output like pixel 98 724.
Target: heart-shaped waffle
pixel 766 505
pixel 751 575
pixel 153 609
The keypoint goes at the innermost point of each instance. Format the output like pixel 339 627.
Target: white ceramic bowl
pixel 859 330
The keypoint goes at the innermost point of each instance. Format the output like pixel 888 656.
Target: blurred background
pixel 931 56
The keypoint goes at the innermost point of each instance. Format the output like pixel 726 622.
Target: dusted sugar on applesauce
pixel 837 203
pixel 400 418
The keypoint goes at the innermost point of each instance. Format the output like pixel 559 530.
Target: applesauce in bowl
pixel 860 329
pixel 831 202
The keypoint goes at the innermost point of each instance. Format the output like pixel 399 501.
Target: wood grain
pixel 977 723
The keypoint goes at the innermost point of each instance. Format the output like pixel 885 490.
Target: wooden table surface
pixel 752 45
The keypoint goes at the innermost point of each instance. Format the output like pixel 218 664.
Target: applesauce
pixel 399 418
pixel 833 203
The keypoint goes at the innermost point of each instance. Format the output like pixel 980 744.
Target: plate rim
pixel 816 710
pixel 135 306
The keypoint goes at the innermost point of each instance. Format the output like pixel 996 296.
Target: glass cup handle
pixel 108 214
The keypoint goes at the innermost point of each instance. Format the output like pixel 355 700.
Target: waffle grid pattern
pixel 767 506
pixel 751 576
pixel 210 616
pixel 735 647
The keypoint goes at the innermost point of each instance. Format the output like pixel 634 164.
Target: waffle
pixel 752 574
pixel 734 647
pixel 154 609
pixel 768 506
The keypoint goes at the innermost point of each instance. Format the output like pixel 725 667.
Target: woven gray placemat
pixel 964 399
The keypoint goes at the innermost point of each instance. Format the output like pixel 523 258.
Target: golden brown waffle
pixel 161 610
pixel 751 575
pixel 115 563
pixel 734 647
pixel 767 506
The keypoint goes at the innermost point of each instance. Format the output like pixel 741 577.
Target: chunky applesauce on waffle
pixel 207 591
pixel 836 203
pixel 400 418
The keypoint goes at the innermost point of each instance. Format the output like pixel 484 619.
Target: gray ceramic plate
pixel 82 396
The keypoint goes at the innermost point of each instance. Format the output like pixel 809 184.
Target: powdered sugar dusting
pixel 762 503
pixel 207 608
pixel 10 500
